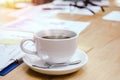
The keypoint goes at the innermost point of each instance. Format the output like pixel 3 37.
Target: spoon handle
pixel 63 64
pixel 55 65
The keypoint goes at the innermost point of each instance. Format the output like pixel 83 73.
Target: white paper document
pixel 117 3
pixel 82 11
pixel 34 25
pixel 9 54
pixel 112 16
pixel 35 11
pixel 57 6
pixel 13 37
pixel 99 2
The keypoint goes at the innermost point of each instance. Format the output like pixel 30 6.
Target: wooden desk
pixel 101 38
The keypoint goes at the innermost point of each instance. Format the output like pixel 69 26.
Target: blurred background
pixel 21 3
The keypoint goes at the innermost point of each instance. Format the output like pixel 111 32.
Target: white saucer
pixel 79 55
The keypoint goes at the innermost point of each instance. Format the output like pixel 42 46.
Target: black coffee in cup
pixel 56 37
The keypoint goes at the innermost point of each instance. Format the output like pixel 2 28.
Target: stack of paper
pixel 10 51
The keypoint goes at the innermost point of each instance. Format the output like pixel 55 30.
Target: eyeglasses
pixel 86 2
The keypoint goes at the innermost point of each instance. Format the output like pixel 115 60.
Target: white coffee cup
pixel 53 45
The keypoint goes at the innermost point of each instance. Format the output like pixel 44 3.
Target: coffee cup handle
pixel 25 49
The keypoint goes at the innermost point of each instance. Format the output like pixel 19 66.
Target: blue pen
pixel 10 67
